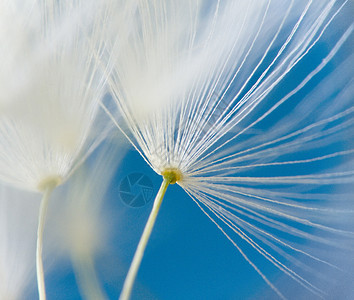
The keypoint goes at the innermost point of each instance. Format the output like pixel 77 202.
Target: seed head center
pixel 49 182
pixel 172 174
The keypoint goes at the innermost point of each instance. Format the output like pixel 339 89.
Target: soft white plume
pixel 53 85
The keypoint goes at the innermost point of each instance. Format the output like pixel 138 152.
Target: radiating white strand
pixel 299 141
pixel 320 179
pixel 288 257
pixel 275 224
pixel 231 217
pixel 287 146
pixel 222 119
pixel 252 193
pixel 262 251
pixel 219 193
pixel 302 161
pixel 199 112
pixel 276 106
pixel 253 41
pixel 286 228
pixel 240 250
pixel 270 222
pixel 299 87
pixel 286 270
pixel 264 73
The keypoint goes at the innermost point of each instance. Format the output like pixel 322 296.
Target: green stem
pixel 129 281
pixel 41 220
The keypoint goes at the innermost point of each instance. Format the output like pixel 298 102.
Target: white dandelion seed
pixel 194 82
pixel 51 98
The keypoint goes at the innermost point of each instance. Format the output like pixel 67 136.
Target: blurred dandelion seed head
pixel 50 119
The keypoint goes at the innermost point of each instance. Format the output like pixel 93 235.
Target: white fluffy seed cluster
pixel 52 86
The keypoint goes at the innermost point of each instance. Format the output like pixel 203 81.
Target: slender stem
pixel 41 220
pixel 129 281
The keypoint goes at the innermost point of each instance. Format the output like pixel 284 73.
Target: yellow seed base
pixel 49 182
pixel 172 174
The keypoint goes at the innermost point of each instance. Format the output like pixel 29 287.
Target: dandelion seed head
pixel 257 127
pixel 49 120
